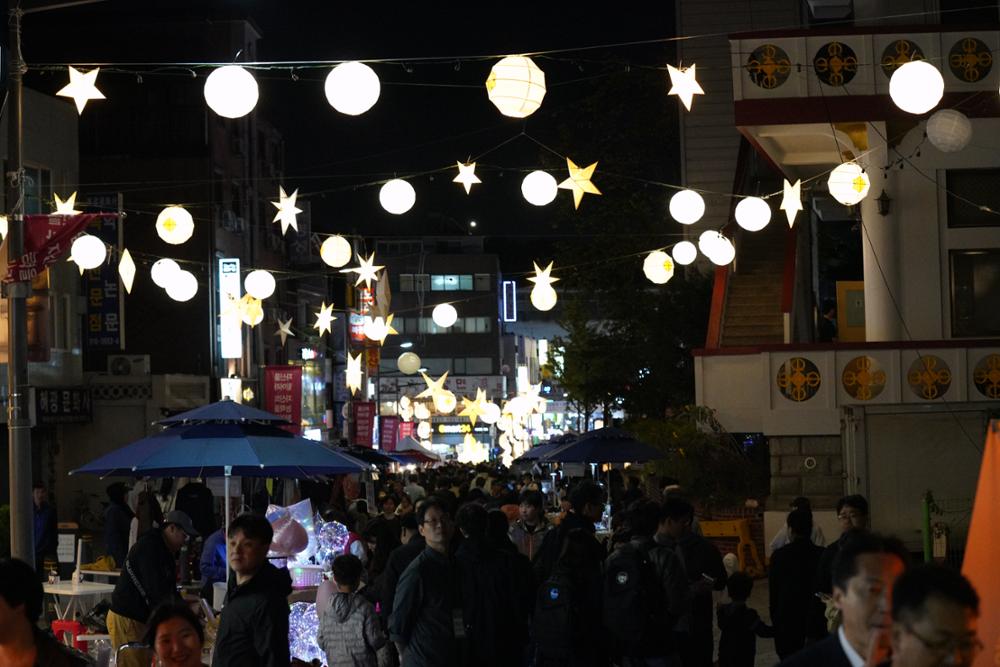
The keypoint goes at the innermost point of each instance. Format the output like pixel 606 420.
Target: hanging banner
pixel 46 239
pixel 104 302
pixel 364 423
pixel 283 394
pixel 406 430
pixel 388 426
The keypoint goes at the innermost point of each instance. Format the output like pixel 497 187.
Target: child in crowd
pixel 349 630
pixel 740 625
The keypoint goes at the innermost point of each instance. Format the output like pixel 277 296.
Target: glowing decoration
pixel 88 251
pixel 473 408
pixel 4 227
pixel 65 207
pixel 378 328
pixel 433 387
pixel 467 176
pixel 162 270
pixel 579 181
pixel 949 130
pixel 539 188
pixel 259 284
pixel 791 200
pixel 916 87
pixel 421 411
pixel 445 402
pixel 366 270
pixel 353 372
pixel 332 538
pixel 251 310
pixel 231 91
pixel 324 319
pixel 658 267
pixel 284 330
pixel 543 277
pixel 472 451
pixel 182 285
pixel 543 295
pixel 687 207
pixel 753 214
pixel 287 210
pixel 303 627
pixel 424 430
pixel 849 183
pixel 397 196
pixel 174 225
pixel 126 270
pixel 352 88
pixel 335 251
pixel 408 363
pixel 717 247
pixel 82 87
pixel 684 253
pixel 684 84
pixel 444 315
pixel 516 86
pixel 491 413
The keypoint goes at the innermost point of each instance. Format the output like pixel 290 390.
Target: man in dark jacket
pixel 45 526
pixel 148 578
pixel 253 630
pixel 796 613
pixel 852 512
pixel 587 501
pixel 398 561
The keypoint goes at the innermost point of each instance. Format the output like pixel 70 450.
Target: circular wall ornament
pixel 970 60
pixel 986 376
pixel 897 53
pixel 835 64
pixel 768 66
pixel 863 378
pixel 798 379
pixel 929 377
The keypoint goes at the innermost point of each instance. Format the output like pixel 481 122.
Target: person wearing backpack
pixel 645 592
pixel 587 507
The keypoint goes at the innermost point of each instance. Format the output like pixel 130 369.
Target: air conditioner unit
pixel 128 364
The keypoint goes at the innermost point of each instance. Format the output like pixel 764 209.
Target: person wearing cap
pixel 148 578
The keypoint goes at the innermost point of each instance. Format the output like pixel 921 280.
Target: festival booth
pixel 410 452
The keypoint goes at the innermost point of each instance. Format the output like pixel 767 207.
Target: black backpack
pixel 555 618
pixel 634 599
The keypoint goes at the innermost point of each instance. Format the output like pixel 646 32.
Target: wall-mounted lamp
pixel 884 203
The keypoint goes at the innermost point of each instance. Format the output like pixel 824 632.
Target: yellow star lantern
pixel 543 277
pixel 65 207
pixel 353 372
pixel 251 310
pixel 467 176
pixel 126 269
pixel 579 181
pixel 543 295
pixel 473 408
pixel 366 271
pixel 791 202
pixel 287 210
pixel 683 84
pixel 81 87
pixel 284 330
pixel 324 318
pixel 433 386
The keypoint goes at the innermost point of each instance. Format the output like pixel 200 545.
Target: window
pixel 421 282
pixel 405 282
pixel 459 365
pixel 477 325
pixel 972 185
pixel 451 283
pixel 437 366
pixel 478 365
pixel 37 190
pixel 483 282
pixel 975 291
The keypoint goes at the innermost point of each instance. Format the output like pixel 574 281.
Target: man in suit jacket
pixel 796 613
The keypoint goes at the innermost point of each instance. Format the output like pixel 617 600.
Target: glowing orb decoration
pixel 444 315
pixel 516 86
pixel 162 270
pixel 352 88
pixel 543 297
pixel 684 253
pixel 397 196
pixel 424 430
pixel 949 130
pixel 251 310
pixel 421 411
pixel 332 538
pixel 916 87
pixel 88 251
pixel 658 267
pixel 491 413
pixel 303 627
pixel 336 251
pixel 231 91
pixel 4 226
pixel 708 241
pixel 182 285
pixel 724 251
pixel 753 214
pixel 174 225
pixel 408 363
pixel 539 188
pixel 849 183
pixel 445 402
pixel 259 284
pixel 687 207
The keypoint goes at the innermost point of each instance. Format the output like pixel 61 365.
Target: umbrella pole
pixel 229 473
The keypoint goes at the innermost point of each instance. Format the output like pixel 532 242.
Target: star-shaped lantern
pixel 379 328
pixel 579 181
pixel 126 269
pixel 474 408
pixel 433 386
pixel 287 210
pixel 683 84
pixel 284 330
pixel 353 372
pixel 81 87
pixel 324 318
pixel 467 176
pixel 65 207
pixel 542 277
pixel 366 271
pixel 791 202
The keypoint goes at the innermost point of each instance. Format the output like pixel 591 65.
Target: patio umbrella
pixel 543 448
pixel 408 450
pixel 366 454
pixel 605 445
pixel 223 412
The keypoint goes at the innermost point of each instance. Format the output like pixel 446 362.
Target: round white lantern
pixel 949 130
pixel 491 413
pixel 259 284
pixel 174 225
pixel 336 251
pixel 352 88
pixel 848 183
pixel 658 267
pixel 684 253
pixel 687 207
pixel 539 188
pixel 421 411
pixel 516 86
pixel 543 297
pixel 916 87
pixel 445 402
pixel 723 251
pixel 424 430
pixel 707 242
pixel 88 251
pixel 182 285
pixel 231 91
pixel 753 214
pixel 397 196
pixel 162 270
pixel 444 315
pixel 375 328
pixel 408 363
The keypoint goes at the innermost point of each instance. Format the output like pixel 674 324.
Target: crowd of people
pixel 468 568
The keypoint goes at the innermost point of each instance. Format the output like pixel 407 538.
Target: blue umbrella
pixel 224 412
pixel 541 449
pixel 605 445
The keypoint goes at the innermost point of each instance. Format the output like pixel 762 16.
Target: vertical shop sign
pixel 364 423
pixel 283 394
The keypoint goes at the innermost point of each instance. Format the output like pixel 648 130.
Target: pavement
pixel 759 600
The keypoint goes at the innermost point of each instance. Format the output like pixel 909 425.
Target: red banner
pixel 387 433
pixel 364 423
pixel 283 394
pixel 406 430
pixel 46 239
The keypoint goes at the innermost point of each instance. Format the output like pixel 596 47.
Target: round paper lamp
pixel 375 328
pixel 539 188
pixel 88 251
pixel 543 297
pixel 687 207
pixel 444 315
pixel 723 251
pixel 421 411
pixel 408 363
pixel 259 284
pixel 516 86
pixel 424 430
pixel 182 285
pixel 352 88
pixel 753 214
pixel 658 267
pixel 174 225
pixel 949 130
pixel 849 183
pixel 491 413
pixel 335 251
pixel 397 196
pixel 445 402
pixel 707 242
pixel 684 253
pixel 231 91
pixel 162 270
pixel 916 87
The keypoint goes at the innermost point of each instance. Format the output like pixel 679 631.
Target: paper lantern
pixel 658 267
pixel 949 130
pixel 516 86
pixel 182 285
pixel 723 251
pixel 539 188
pixel 916 87
pixel 753 214
pixel 491 413
pixel 352 88
pixel 848 183
pixel 445 402
pixel 684 253
pixel 408 363
pixel 444 315
pixel 397 196
pixel 421 411
pixel 3 227
pixel 88 251
pixel 708 241
pixel 259 284
pixel 231 91
pixel 174 225
pixel 162 270
pixel 335 251
pixel 687 207
pixel 543 297
pixel 423 430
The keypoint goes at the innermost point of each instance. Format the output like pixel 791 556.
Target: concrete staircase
pixel 753 300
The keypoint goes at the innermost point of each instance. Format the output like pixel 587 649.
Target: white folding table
pixel 72 593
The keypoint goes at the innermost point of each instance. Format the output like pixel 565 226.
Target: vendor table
pixel 66 589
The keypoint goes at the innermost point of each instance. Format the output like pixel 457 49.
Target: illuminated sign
pixel 445 429
pixel 230 330
pixel 509 300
